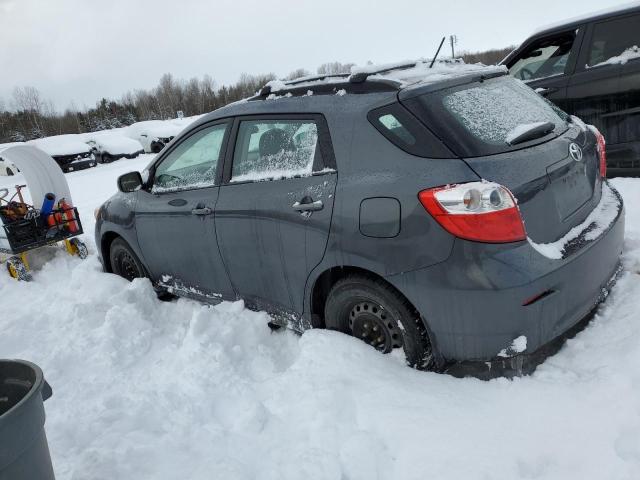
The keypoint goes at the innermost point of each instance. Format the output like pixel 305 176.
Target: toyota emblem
pixel 575 151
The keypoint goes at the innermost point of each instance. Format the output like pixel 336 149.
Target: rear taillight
pixel 478 211
pixel 602 151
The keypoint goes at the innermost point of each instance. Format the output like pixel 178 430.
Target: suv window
pixel 614 41
pixel 544 58
pixel 405 131
pixel 192 163
pixel 274 149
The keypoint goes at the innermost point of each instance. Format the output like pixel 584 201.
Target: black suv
pixel 450 212
pixel 590 67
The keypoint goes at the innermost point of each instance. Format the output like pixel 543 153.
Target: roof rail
pixel 360 77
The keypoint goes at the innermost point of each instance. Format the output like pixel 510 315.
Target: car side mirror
pixel 130 182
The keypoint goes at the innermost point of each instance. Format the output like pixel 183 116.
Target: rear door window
pixel 544 58
pixel 614 42
pixel 274 149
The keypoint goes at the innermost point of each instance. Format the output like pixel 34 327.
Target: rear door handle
pixel 202 211
pixel 308 206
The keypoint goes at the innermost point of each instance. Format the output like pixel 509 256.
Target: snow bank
pixel 596 223
pixel 61 144
pixel 151 390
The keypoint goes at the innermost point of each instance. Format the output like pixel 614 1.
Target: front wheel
pixel 124 261
pixel 374 312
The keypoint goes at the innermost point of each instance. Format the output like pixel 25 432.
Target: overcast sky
pixel 82 50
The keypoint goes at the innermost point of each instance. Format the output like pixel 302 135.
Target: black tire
pixel 124 261
pixel 370 309
pixel 106 158
pixel 9 172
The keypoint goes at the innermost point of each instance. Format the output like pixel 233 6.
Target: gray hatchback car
pixel 450 212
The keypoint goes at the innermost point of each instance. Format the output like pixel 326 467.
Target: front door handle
pixel 308 206
pixel 202 211
pixel 545 91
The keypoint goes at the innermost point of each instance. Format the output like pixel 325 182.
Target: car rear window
pixel 476 119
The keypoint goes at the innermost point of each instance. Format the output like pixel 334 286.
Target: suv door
pixel 273 215
pixel 606 87
pixel 174 215
pixel 546 63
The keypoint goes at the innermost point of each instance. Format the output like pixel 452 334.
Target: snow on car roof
pixel 421 72
pixel 157 128
pixel 4 146
pixel 402 74
pixel 61 144
pixel 587 16
pixel 114 142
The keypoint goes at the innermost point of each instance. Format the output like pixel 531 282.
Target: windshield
pixel 480 118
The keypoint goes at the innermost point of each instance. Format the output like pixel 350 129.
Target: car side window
pixel 614 42
pixel 544 58
pixel 275 149
pixel 192 163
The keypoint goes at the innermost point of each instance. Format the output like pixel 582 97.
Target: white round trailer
pixel 22 233
pixel 41 172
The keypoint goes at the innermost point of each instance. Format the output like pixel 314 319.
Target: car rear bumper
pixel 484 296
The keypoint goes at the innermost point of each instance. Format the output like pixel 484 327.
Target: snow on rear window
pixel 273 150
pixel 491 110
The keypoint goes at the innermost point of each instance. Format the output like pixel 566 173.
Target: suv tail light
pixel 478 211
pixel 602 151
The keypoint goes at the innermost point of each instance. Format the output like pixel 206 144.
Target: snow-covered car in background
pixel 108 147
pixel 7 168
pixel 69 151
pixel 153 134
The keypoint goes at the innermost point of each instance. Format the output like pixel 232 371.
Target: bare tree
pixel 333 68
pixel 298 73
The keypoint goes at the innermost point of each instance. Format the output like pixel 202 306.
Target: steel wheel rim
pixel 374 325
pixel 128 267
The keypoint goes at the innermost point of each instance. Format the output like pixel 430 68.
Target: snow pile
pixel 151 390
pixel 61 145
pixel 596 223
pixel 630 53
pixel 114 143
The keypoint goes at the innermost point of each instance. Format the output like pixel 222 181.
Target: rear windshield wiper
pixel 531 131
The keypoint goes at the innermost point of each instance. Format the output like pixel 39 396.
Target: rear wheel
pixel 374 312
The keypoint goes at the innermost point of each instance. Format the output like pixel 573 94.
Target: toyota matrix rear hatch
pixel 510 135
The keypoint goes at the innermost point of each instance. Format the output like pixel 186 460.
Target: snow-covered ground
pixel 151 390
